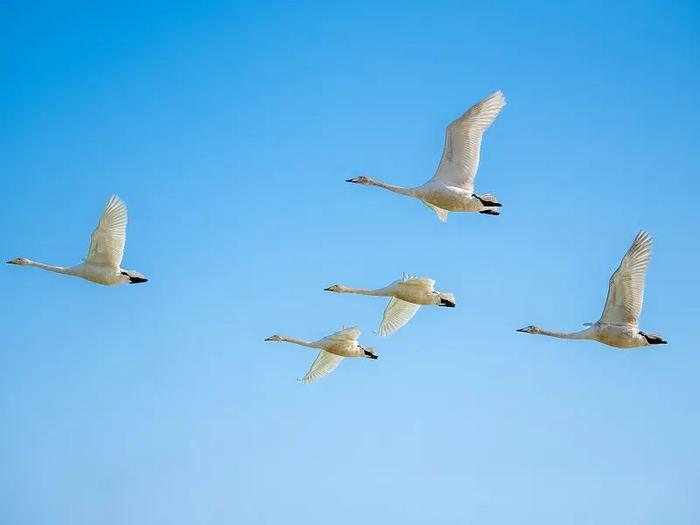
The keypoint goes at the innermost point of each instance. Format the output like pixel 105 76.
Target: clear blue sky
pixel 228 128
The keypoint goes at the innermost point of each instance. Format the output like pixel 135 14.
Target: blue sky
pixel 228 128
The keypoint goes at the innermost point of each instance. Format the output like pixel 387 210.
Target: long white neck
pixel 382 292
pixel 396 189
pixel 51 268
pixel 296 341
pixel 583 334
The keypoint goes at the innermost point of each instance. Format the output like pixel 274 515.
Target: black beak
pixel 137 280
pixel 327 289
pixel 445 302
pixel 520 330
pixel 351 180
pixel 9 262
pixel 268 339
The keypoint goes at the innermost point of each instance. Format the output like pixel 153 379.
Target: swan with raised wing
pixel 103 262
pixel 619 324
pixel 452 186
pixel 407 295
pixel 333 349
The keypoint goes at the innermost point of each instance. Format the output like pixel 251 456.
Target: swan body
pixel 103 262
pixel 619 324
pixel 333 349
pixel 452 186
pixel 407 295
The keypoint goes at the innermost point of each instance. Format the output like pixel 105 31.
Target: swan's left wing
pixel 460 156
pixel 397 314
pixel 324 364
pixel 108 239
pixel 626 289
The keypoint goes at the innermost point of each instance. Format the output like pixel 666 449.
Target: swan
pixel 619 324
pixel 333 349
pixel 102 264
pixel 452 186
pixel 407 295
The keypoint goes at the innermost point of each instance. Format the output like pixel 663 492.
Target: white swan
pixel 407 295
pixel 102 264
pixel 333 349
pixel 452 186
pixel 619 324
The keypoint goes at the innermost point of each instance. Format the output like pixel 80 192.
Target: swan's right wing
pixel 626 288
pixel 108 239
pixel 324 364
pixel 397 314
pixel 460 156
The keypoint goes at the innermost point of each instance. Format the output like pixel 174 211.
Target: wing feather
pixel 323 365
pixel 626 289
pixel 108 239
pixel 346 334
pixel 460 156
pixel 397 314
pixel 423 282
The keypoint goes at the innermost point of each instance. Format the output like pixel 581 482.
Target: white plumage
pixel 105 253
pixel 333 349
pixel 407 295
pixel 452 186
pixel 619 324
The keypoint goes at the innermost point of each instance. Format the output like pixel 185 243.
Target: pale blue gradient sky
pixel 228 128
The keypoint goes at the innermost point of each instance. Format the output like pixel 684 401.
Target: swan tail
pixel 441 214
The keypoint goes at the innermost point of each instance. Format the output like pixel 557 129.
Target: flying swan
pixel 619 324
pixel 407 295
pixel 102 264
pixel 452 186
pixel 333 349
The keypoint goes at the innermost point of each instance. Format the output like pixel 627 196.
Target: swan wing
pixel 397 314
pixel 323 365
pixel 626 289
pixel 108 239
pixel 460 156
pixel 422 282
pixel 346 334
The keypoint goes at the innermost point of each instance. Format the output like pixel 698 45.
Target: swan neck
pixel 583 334
pixel 51 268
pixel 395 189
pixel 362 291
pixel 297 341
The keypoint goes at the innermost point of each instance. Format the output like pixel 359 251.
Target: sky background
pixel 228 128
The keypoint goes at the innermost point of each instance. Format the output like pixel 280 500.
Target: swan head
pixel 529 330
pixel 362 179
pixel 132 277
pixel 338 288
pixel 19 260
pixel 275 338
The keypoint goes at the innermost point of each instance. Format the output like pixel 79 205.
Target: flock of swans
pixel 450 189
